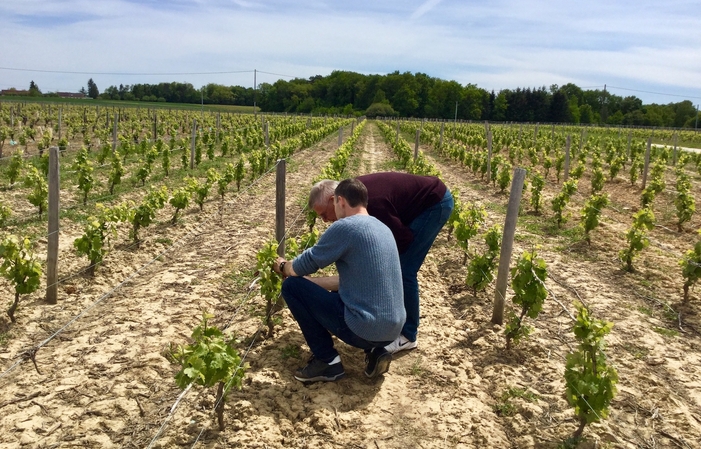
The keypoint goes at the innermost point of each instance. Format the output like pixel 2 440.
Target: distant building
pixel 71 95
pixel 26 93
pixel 13 91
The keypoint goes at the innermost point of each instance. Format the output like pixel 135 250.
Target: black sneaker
pixel 377 362
pixel 318 371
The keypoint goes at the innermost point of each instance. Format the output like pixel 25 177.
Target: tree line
pixel 416 95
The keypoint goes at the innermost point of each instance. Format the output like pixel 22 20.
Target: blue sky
pixel 643 45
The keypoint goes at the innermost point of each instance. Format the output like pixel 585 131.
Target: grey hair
pixel 321 191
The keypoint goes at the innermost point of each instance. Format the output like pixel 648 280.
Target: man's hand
pixel 276 266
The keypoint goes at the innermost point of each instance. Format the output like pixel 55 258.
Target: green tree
pixel 93 91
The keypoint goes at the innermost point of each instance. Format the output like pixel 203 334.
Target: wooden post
pixel 674 153
pixel 647 161
pixel 280 206
pixel 489 156
pixel 192 144
pixel 60 110
pixel 552 132
pixel 267 136
pixel 520 131
pixel 442 129
pixel 397 137
pixel 416 144
pixel 155 126
pixel 535 134
pixel 628 150
pixel 567 158
pixel 54 211
pixel 507 243
pixel 114 133
pixel 218 126
pixel 340 136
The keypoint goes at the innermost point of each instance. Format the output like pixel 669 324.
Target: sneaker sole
pixel 382 366
pixel 320 378
pixel 406 347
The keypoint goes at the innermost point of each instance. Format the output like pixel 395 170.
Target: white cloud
pixel 498 44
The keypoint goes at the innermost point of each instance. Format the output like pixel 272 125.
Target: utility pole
pixel 604 111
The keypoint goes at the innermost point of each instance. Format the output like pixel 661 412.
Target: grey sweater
pixel 370 278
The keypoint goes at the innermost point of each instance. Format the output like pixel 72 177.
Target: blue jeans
pixel 425 228
pixel 319 314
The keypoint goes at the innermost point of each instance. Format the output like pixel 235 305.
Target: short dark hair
pixel 353 191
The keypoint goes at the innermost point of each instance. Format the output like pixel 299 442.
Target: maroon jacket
pixel 396 199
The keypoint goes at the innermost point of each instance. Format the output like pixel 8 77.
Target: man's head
pixel 350 197
pixel 321 199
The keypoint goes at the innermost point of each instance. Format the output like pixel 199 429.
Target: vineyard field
pixel 106 377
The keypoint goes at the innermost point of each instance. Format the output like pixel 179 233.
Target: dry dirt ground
pixel 105 380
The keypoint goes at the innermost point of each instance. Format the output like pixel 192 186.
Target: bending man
pixel 415 208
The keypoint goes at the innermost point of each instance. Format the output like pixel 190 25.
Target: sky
pixel 650 49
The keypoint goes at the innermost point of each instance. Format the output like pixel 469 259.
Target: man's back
pixel 396 199
pixel 370 280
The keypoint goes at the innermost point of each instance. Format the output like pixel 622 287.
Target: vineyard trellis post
pixel 60 110
pixel 416 144
pixel 155 125
pixel 340 136
pixel 520 132
pixel 53 212
pixel 192 144
pixel 630 134
pixel 647 161
pixel 267 135
pixel 535 133
pixel 280 206
pixel 567 157
pixel 397 136
pixel 507 244
pixel 489 153
pixel 442 129
pixel 218 126
pixel 114 132
pixel 674 153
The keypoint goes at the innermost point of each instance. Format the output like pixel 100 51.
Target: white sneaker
pixel 401 344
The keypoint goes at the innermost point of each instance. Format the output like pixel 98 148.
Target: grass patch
pixel 164 240
pixel 666 332
pixel 416 369
pixel 645 310
pixel 4 338
pixel 504 406
pixel 290 351
pixel 638 352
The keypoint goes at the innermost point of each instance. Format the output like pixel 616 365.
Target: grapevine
pixel 480 271
pixel 527 281
pixel 636 236
pixel 208 361
pixel 20 267
pixel 691 267
pixel 592 212
pixel 591 383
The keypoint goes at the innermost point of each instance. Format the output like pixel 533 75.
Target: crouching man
pixel 363 306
